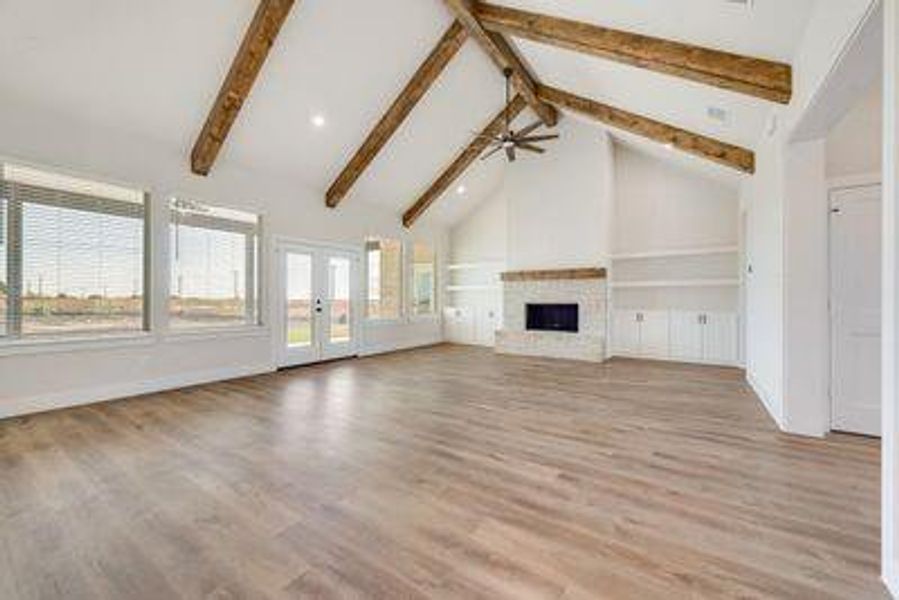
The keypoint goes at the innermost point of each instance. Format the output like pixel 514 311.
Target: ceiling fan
pixel 510 140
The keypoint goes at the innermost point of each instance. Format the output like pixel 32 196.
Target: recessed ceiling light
pixel 318 120
pixel 461 190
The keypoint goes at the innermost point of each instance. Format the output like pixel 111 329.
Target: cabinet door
pixel 686 335
pixel 720 338
pixel 486 325
pixel 625 332
pixel 654 333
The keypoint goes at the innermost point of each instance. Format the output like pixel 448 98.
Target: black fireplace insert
pixel 552 317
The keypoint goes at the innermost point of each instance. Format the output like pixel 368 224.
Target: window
pixel 72 255
pixel 215 266
pixel 423 279
pixel 384 259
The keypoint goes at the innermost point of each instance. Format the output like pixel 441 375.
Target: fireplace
pixel 552 317
pixel 557 313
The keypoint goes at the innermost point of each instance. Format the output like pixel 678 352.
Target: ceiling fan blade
pixel 510 153
pixel 531 148
pixel 491 153
pixel 528 129
pixel 538 138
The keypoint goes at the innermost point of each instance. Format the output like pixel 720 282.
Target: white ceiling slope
pixel 153 69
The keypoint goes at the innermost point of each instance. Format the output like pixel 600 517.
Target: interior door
pixel 855 258
pixel 318 307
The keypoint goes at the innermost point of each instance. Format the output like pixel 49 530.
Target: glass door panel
pixel 318 303
pixel 340 300
pixel 299 300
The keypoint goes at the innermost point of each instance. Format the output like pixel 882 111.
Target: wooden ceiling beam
pixel 754 76
pixel 415 89
pixel 270 16
pixel 503 54
pixel 463 160
pixel 692 143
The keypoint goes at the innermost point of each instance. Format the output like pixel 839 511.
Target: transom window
pixel 214 266
pixel 72 255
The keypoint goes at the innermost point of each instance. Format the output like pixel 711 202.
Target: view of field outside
pixel 209 277
pixel 299 298
pixel 82 271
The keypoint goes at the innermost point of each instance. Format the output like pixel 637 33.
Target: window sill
pixel 50 345
pixel 215 333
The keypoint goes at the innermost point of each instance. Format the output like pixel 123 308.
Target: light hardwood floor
pixel 446 472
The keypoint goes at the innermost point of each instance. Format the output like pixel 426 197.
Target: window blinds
pixel 72 256
pixel 214 261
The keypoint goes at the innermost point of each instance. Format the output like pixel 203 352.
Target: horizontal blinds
pixel 74 261
pixel 214 266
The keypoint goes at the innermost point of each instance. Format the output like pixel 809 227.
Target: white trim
pixel 215 333
pixel 765 397
pixel 68 399
pixel 851 181
pixel 671 359
pixel 681 252
pixel 54 344
pixel 374 349
pixel 476 265
pixel 891 579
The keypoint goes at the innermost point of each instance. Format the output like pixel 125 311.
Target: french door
pixel 318 308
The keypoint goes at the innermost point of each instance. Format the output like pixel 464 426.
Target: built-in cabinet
pixel 680 305
pixel 685 335
pixel 474 303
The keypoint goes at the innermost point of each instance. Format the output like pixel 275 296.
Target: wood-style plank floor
pixel 447 472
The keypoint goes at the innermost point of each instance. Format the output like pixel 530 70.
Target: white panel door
pixel 720 338
pixel 654 333
pixel 626 332
pixel 855 234
pixel 686 335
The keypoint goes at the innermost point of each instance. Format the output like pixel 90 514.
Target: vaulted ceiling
pixel 154 69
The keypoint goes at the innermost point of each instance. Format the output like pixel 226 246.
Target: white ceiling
pixel 153 69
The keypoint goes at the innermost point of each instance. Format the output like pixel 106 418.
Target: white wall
pixel 660 206
pixel 560 203
pixel 482 235
pixel 765 198
pixel 67 375
pixel 890 383
pixel 854 145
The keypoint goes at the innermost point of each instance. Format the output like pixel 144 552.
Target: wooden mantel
pixel 555 274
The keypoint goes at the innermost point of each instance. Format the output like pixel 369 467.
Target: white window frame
pixel 410 290
pixel 66 342
pixel 259 325
pixel 402 313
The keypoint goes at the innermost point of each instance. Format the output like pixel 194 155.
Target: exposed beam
pixel 463 161
pixel 757 77
pixel 420 83
pixel 504 56
pixel 693 143
pixel 270 16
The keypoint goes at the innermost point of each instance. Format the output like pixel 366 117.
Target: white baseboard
pixel 891 579
pixel 58 400
pixel 765 398
pixel 373 349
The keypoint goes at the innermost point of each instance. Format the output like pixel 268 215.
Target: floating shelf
pixel 676 283
pixel 475 266
pixel 676 253
pixel 471 288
